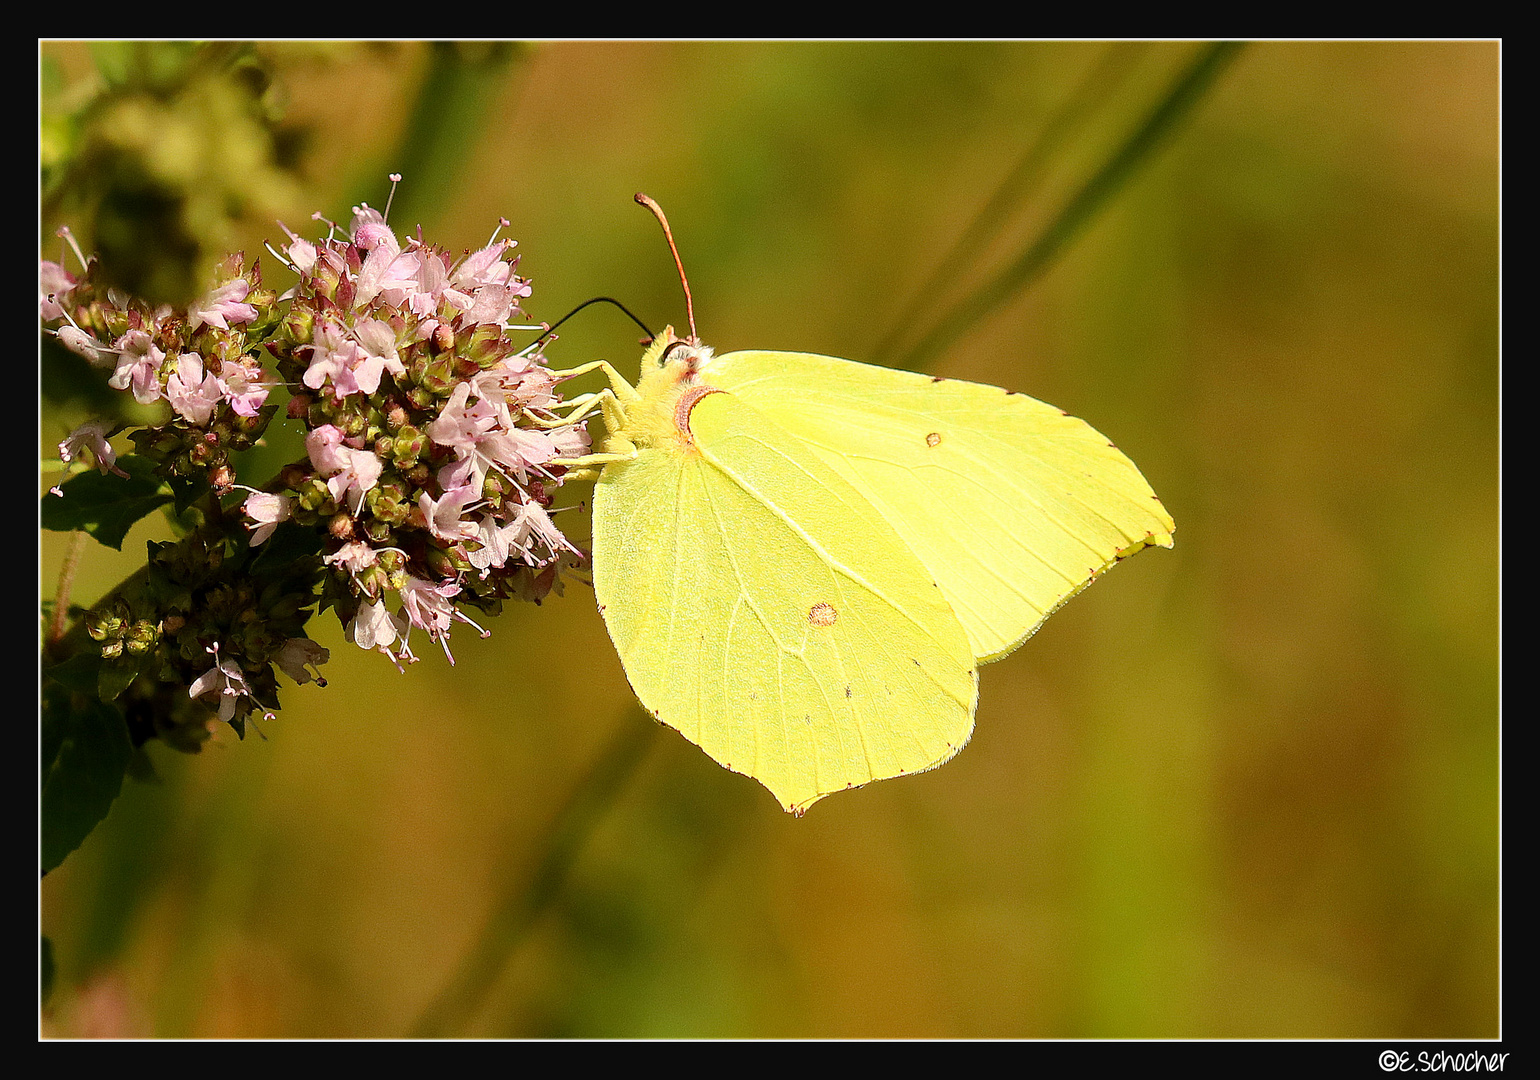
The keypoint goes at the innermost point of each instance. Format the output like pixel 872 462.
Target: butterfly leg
pixel 618 385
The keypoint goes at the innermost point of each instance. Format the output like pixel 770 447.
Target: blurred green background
pixel 1247 787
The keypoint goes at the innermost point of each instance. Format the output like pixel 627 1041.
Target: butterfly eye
pixel 680 344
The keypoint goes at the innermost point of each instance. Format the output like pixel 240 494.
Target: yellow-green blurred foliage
pixel 1247 787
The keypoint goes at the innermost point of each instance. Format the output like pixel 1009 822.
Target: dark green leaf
pixel 80 673
pixel 277 555
pixel 115 677
pixel 187 490
pixel 103 504
pixel 85 752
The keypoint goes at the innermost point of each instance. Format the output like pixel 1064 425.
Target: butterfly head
pixel 670 382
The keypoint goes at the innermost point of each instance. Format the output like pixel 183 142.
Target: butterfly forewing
pixel 763 608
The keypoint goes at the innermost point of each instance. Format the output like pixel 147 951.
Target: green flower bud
pixel 104 624
pixel 438 377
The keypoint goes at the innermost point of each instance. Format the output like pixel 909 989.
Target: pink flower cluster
pixel 139 359
pixel 194 359
pixel 430 427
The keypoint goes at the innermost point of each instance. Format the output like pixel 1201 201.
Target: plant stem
pixel 61 600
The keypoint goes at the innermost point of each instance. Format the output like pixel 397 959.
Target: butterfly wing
pixel 1012 505
pixel 762 608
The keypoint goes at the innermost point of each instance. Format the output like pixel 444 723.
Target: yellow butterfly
pixel 802 560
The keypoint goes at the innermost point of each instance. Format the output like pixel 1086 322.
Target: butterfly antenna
pixel 689 305
pixel 596 300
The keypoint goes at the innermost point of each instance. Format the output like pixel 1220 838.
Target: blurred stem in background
pixel 1097 90
pixel 525 901
pixel 1159 124
pixel 461 85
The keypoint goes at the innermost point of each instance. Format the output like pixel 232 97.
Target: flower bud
pixel 408 446
pixel 298 326
pixel 222 479
pixel 103 624
pixel 141 637
pixel 486 346
pixel 313 494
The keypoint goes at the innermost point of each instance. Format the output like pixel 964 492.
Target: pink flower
pixel 332 357
pixel 298 655
pixel 387 274
pixel 491 304
pixel 443 514
pixel 223 306
pixel 376 628
pixel 54 284
pixel 372 627
pixel 484 267
pixel 267 511
pixel 83 344
pixel 497 541
pixel 344 468
pixel 301 253
pixel 483 438
pixel 537 525
pixel 428 606
pixel 431 286
pixel 460 424
pixel 226 680
pixel 193 394
pixel 362 473
pixel 324 444
pixel 138 367
pixel 244 386
pixel 570 442
pixel 92 436
pixel 368 229
pixel 376 354
pixel 355 556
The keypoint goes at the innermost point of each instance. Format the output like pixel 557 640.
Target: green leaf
pixel 187 490
pixel 279 555
pixel 85 752
pixel 115 677
pixel 105 505
pixel 80 673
